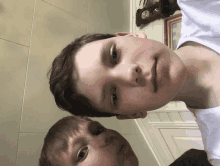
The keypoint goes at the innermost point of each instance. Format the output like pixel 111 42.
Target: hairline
pixel 75 75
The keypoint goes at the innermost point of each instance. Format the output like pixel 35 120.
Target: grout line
pixel 25 86
pixel 14 42
pixel 131 16
pixel 87 23
pixel 63 10
pixel 33 132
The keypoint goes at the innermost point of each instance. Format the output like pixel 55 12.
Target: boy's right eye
pixel 82 154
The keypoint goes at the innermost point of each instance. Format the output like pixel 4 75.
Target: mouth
pixel 155 76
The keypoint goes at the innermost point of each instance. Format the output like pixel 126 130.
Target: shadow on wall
pixel 2 28
pixel 1 8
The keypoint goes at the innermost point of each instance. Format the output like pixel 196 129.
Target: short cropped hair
pixel 62 84
pixel 57 140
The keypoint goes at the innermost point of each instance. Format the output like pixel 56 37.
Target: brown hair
pixel 57 140
pixel 62 83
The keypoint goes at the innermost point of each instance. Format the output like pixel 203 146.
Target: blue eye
pixel 114 55
pixel 114 97
pixel 82 154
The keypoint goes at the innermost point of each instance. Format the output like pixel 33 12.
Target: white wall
pixel 32 33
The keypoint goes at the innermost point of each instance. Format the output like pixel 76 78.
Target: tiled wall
pixel 32 33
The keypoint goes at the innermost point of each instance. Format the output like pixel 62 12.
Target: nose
pixel 128 74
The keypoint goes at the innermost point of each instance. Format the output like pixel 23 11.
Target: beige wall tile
pixel 141 150
pixel 109 16
pixel 78 8
pixel 13 62
pixel 94 28
pixel 53 30
pixel 8 143
pixel 16 18
pixel 29 148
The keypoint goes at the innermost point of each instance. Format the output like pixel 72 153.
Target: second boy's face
pixel 126 75
pixel 96 145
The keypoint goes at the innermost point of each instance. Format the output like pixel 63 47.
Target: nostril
pixel 138 80
pixel 138 70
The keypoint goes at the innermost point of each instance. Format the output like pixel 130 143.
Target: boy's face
pixel 126 75
pixel 96 145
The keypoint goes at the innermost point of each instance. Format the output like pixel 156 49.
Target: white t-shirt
pixel 208 121
pixel 201 24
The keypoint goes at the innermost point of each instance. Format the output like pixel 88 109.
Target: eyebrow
pixel 80 140
pixel 105 49
pixel 83 140
pixel 103 55
pixel 105 62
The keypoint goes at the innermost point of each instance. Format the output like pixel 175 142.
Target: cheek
pixel 102 157
pixel 139 99
pixel 133 95
pixel 134 98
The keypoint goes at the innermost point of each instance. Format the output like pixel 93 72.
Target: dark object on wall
pixel 192 157
pixel 155 9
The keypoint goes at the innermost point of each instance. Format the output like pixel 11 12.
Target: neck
pixel 194 92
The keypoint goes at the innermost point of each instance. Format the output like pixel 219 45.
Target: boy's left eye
pixel 114 55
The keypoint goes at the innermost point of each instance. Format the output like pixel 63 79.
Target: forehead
pixel 75 136
pixel 85 58
pixel 89 68
pixel 82 126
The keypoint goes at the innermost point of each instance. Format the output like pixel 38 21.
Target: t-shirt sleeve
pixel 208 121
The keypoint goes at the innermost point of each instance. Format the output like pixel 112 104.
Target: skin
pixel 96 145
pixel 132 53
pixel 127 75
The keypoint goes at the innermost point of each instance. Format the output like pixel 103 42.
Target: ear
pixel 124 34
pixel 140 35
pixel 133 116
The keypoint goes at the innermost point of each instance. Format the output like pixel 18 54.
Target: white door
pixel 170 131
pixel 182 139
